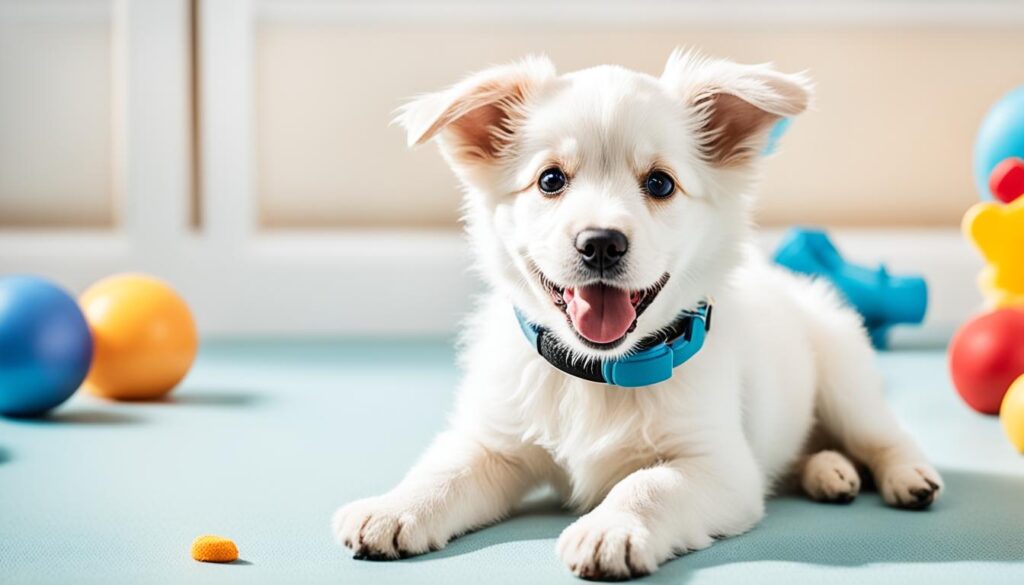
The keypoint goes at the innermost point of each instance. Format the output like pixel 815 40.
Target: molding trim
pixel 1004 14
pixel 411 283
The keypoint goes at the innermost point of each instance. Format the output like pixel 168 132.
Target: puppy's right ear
pixel 476 119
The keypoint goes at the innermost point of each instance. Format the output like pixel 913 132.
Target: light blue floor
pixel 254 447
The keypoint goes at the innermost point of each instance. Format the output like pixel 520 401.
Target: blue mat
pixel 253 447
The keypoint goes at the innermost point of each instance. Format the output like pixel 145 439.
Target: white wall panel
pixel 889 142
pixel 56 114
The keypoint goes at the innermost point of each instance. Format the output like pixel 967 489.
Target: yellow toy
pixel 1011 414
pixel 997 231
pixel 214 549
pixel 143 335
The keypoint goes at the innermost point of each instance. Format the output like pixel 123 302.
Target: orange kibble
pixel 214 549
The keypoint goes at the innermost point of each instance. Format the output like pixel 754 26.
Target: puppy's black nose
pixel 601 249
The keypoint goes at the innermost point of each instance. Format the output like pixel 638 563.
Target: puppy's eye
pixel 552 181
pixel 659 185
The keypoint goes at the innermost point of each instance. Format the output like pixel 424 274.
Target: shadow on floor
pixel 536 520
pixel 200 397
pixel 81 417
pixel 978 519
pixel 5 455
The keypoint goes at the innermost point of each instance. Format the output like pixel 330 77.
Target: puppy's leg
pixel 852 409
pixel 828 476
pixel 458 484
pixel 659 512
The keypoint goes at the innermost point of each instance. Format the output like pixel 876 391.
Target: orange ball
pixel 144 337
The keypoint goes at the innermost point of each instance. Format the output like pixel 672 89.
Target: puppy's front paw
pixel 914 487
pixel 384 528
pixel 608 546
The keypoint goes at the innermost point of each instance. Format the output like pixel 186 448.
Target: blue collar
pixel 657 356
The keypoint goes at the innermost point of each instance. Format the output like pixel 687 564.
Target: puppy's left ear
pixel 733 106
pixel 477 118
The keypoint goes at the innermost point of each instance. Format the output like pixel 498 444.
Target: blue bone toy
pixel 883 300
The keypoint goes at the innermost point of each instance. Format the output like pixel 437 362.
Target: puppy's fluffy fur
pixel 785 385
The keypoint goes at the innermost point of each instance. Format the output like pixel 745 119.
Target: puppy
pixel 608 213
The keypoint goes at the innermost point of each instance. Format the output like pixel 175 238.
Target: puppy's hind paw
pixel 911 486
pixel 830 477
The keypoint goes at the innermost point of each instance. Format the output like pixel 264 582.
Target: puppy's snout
pixel 601 249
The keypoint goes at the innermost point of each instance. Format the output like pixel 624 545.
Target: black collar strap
pixel 653 361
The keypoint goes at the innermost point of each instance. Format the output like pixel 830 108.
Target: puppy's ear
pixel 733 106
pixel 477 118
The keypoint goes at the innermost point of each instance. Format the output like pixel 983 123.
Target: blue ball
pixel 45 346
pixel 1001 136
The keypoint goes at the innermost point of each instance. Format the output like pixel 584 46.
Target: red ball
pixel 1007 180
pixel 985 356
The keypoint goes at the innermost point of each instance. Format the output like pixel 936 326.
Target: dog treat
pixel 214 549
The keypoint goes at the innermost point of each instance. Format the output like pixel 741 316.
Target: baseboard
pixel 411 283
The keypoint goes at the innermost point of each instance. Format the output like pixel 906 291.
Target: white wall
pixel 56 163
pixel 889 142
pixel 316 220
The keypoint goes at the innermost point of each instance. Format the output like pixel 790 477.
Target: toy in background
pixel 775 135
pixel 45 346
pixel 1000 137
pixel 997 231
pixel 145 338
pixel 129 337
pixel 986 356
pixel 1007 182
pixel 1011 413
pixel 882 299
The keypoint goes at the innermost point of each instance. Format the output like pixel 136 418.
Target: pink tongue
pixel 600 313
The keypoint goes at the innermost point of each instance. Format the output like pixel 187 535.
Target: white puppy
pixel 608 207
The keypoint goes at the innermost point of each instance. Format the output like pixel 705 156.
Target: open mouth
pixel 601 314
